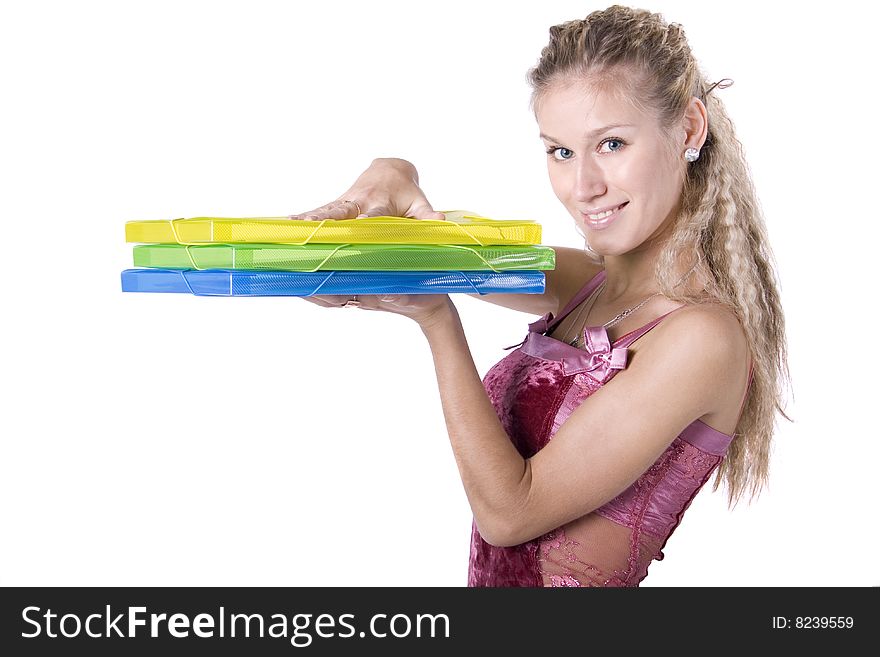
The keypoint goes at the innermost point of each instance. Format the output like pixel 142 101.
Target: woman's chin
pixel 603 250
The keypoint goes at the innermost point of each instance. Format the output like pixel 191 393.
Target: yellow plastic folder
pixel 458 228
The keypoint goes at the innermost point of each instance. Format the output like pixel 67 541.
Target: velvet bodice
pixel 534 390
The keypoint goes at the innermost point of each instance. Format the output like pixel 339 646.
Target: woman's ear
pixel 695 123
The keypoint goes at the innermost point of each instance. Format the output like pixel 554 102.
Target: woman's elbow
pixel 501 532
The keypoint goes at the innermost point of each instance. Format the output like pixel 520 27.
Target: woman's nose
pixel 589 181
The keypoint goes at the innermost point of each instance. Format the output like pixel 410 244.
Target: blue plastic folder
pixel 231 282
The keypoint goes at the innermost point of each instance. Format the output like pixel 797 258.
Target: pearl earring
pixel 691 154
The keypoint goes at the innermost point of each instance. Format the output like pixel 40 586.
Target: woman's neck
pixel 629 275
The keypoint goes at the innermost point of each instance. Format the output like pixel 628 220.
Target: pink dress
pixel 534 390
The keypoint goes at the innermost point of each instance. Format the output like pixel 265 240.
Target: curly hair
pixel 719 234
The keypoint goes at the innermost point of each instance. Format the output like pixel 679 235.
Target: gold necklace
pixel 626 313
pixel 611 322
pixel 577 318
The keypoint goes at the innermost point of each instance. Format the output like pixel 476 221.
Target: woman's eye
pixel 561 153
pixel 610 145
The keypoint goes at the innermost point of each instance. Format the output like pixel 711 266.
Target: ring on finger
pixel 352 303
pixel 356 204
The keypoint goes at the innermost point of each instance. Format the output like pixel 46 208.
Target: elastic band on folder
pixel 476 253
pixel 187 248
pixel 326 278
pixel 471 283
pixel 468 233
pixel 188 286
pixel 324 261
pixel 320 225
pixel 174 230
pixel 177 236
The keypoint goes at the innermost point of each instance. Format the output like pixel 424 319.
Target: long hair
pixel 719 233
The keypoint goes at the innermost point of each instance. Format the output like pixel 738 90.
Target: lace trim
pixel 557 548
pixel 563 560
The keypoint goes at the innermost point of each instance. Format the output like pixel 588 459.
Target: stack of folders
pixel 276 256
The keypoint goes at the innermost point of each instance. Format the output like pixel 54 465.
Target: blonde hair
pixel 720 230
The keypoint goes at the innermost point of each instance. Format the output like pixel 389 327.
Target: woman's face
pixel 610 165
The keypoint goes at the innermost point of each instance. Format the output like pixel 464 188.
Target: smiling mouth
pixel 601 219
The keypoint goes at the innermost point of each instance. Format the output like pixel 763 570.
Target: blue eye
pixel 560 153
pixel 613 143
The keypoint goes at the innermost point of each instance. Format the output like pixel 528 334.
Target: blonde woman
pixel 659 358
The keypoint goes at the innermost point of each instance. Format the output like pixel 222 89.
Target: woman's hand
pixel 428 310
pixel 389 187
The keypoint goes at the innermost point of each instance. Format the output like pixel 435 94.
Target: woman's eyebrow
pixel 594 133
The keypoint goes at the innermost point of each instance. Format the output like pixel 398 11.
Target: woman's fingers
pixel 349 210
pixel 400 303
pixel 420 308
pixel 360 301
pixel 388 188
pixel 324 302
pixel 416 211
pixel 338 209
pixel 425 211
pixel 381 211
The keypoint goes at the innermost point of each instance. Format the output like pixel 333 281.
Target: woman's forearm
pixel 495 476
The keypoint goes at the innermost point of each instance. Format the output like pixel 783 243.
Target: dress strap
pixel 627 339
pixel 578 298
pixel 547 322
pixel 550 322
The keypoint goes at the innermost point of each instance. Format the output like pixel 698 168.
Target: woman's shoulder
pixel 711 321
pixel 708 331
pixel 709 345
pixel 709 314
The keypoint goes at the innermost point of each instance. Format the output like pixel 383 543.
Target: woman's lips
pixel 601 220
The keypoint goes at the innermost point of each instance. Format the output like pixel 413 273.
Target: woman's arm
pixel 695 364
pixel 390 187
pixel 573 269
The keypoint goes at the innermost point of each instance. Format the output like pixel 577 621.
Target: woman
pixel 660 355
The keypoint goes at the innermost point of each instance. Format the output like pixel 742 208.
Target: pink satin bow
pixel 602 358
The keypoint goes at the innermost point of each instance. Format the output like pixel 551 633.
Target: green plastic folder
pixel 349 257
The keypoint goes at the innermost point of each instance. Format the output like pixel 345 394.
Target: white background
pixel 179 440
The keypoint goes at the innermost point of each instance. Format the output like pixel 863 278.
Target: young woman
pixel 660 355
